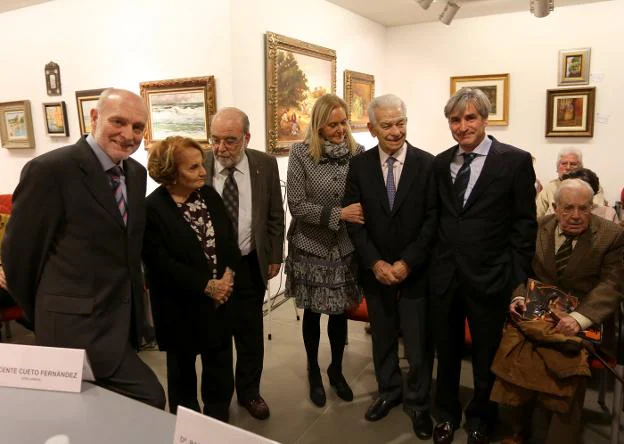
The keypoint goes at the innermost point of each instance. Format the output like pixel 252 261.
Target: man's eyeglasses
pixel 228 142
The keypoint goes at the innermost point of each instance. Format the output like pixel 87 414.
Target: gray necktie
pixel 390 186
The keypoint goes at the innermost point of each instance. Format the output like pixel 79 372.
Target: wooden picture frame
pixel 55 118
pixel 495 86
pixel 16 129
pixel 570 112
pixel 574 66
pixel 359 91
pixel 179 107
pixel 86 101
pixel 297 73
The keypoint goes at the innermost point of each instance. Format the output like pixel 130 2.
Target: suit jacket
pixel 490 242
pixel 71 263
pixel 267 220
pixel 595 271
pixel 177 272
pixel 407 231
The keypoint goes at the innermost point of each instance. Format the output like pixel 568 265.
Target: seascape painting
pixel 16 130
pixel 180 113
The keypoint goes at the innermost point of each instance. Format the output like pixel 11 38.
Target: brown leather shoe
pixel 443 433
pixel 257 408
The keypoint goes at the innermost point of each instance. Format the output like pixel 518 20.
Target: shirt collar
pixel 399 155
pixel 482 149
pixel 242 166
pixel 102 157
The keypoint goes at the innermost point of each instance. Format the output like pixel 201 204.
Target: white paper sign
pixel 43 368
pixel 195 428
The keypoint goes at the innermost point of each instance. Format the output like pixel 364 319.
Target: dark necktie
pixel 462 178
pixel 230 199
pixel 390 186
pixel 115 174
pixel 563 256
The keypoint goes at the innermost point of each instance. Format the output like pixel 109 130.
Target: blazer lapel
pixel 447 192
pixel 96 181
pixel 547 241
pixel 209 165
pixel 488 173
pixel 408 175
pixel 257 188
pixel 135 196
pixel 375 172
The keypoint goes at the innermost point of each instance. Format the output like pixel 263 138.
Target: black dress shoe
pixel 380 408
pixel 476 437
pixel 317 392
pixel 443 433
pixel 257 407
pixel 339 383
pixel 422 425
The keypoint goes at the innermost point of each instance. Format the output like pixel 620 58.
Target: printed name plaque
pixel 195 428
pixel 43 368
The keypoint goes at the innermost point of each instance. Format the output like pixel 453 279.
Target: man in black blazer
pixel 258 216
pixel 72 249
pixel 394 183
pixel 486 241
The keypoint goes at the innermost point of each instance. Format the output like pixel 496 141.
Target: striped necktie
pixel 563 256
pixel 390 186
pixel 463 177
pixel 230 198
pixel 115 174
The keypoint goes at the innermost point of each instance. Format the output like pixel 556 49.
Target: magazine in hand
pixel 544 301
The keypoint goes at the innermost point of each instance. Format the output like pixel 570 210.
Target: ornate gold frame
pixel 16 142
pixel 273 43
pixel 358 77
pixel 205 84
pixel 501 118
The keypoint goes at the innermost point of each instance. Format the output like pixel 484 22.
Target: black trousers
pixel 217 380
pixel 486 316
pixel 134 379
pixel 388 312
pixel 248 328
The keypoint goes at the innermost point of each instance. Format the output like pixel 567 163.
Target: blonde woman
pixel 320 266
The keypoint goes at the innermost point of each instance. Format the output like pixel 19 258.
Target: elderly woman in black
pixel 189 254
pixel 321 260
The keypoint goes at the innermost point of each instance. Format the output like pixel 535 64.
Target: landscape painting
pixel 359 90
pixel 16 130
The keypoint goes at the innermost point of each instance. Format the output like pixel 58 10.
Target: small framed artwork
pixel 495 87
pixel 179 107
pixel 86 101
pixel 574 66
pixel 297 74
pixel 16 130
pixel 359 90
pixel 570 112
pixel 55 115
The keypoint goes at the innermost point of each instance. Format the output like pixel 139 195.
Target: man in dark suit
pixel 72 249
pixel 395 185
pixel 248 181
pixel 486 240
pixel 581 254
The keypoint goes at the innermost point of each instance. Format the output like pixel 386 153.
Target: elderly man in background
pixel 248 182
pixel 72 248
pixel 581 254
pixel 568 160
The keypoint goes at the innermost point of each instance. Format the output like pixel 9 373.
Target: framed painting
pixel 86 101
pixel 16 130
pixel 570 112
pixel 297 74
pixel 55 118
pixel 495 86
pixel 574 66
pixel 359 90
pixel 179 107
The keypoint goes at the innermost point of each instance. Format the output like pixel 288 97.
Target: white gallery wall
pixel 421 59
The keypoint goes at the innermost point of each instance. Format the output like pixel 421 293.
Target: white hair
pixel 385 101
pixel 574 184
pixel 570 150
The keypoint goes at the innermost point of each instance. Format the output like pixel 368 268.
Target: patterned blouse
pixel 196 214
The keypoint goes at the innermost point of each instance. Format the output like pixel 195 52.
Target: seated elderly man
pixel 569 159
pixel 581 254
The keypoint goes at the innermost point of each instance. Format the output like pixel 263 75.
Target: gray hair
pixel 570 150
pixel 465 96
pixel 385 101
pixel 574 184
pixel 244 118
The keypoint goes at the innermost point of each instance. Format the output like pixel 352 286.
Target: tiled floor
pixel 294 419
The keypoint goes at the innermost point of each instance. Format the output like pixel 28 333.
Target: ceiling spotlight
pixel 541 8
pixel 424 3
pixel 449 12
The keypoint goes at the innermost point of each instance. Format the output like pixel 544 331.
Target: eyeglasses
pixel 583 210
pixel 228 142
pixel 569 164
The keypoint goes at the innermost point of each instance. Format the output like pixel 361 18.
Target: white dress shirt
pixel 397 167
pixel 476 166
pixel 243 182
